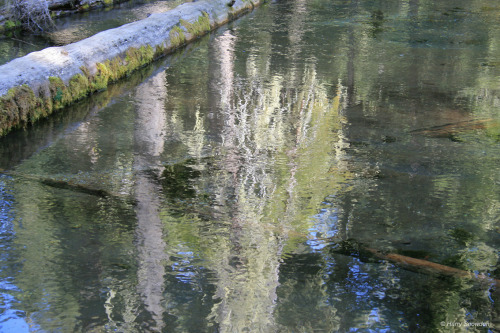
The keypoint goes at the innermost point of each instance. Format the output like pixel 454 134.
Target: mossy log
pixel 34 86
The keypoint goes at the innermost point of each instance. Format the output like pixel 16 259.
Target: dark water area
pixel 80 25
pixel 240 185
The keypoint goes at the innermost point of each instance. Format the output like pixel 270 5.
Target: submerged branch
pixel 446 130
pixel 353 248
pixel 430 267
pixel 68 185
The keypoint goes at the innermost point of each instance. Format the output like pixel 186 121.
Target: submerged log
pixel 451 129
pixel 68 185
pixel 74 187
pixel 356 249
pixel 429 267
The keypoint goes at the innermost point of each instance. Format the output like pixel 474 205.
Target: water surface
pixel 234 186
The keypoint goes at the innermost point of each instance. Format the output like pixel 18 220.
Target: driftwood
pixel 353 248
pixel 451 129
pixel 430 267
pixel 67 185
pixel 74 187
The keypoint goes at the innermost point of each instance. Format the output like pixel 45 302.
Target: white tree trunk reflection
pixel 149 139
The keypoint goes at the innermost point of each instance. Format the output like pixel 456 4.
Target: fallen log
pixel 74 187
pixel 34 86
pixel 430 267
pixel 354 248
pixel 68 185
pixel 451 129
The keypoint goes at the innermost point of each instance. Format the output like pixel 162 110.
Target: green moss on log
pixel 177 37
pixel 160 51
pixel 19 107
pixel 60 94
pixel 199 27
pixel 79 87
pixel 116 69
pixel 100 80
pixel 136 58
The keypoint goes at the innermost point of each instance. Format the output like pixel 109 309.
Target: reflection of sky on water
pixel 363 291
pixel 6 202
pixel 11 319
pixel 367 292
pixel 183 268
pixel 325 226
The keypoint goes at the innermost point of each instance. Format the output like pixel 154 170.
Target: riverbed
pixel 232 186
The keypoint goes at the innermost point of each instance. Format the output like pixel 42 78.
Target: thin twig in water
pixel 19 40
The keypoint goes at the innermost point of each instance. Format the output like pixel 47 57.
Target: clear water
pixel 234 186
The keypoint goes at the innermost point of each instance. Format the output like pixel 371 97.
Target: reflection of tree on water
pixel 412 183
pixel 272 140
pixel 178 180
pixel 149 137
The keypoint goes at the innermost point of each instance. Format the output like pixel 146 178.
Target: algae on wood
pixel 41 82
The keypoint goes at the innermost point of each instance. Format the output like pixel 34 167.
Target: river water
pixel 236 186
